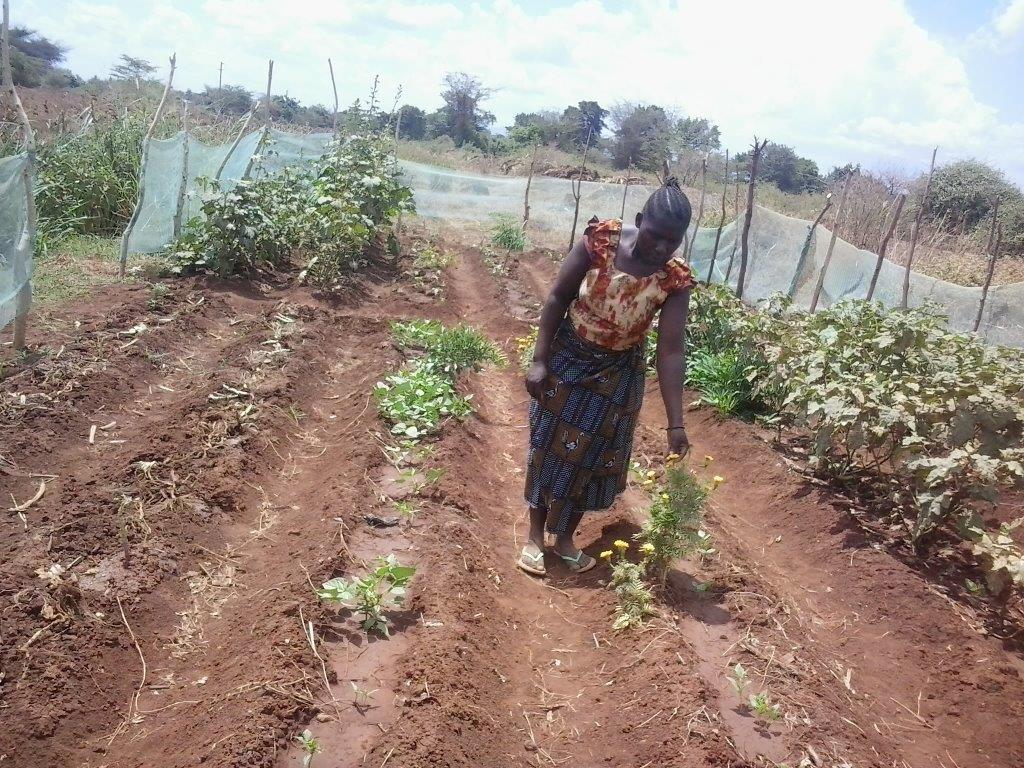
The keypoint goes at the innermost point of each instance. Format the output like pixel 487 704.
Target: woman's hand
pixel 678 442
pixel 536 378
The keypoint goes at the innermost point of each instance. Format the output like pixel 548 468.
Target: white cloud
pixel 861 82
pixel 1004 31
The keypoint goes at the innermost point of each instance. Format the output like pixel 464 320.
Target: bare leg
pixel 538 516
pixel 564 544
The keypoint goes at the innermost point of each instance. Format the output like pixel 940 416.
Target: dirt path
pixel 241 503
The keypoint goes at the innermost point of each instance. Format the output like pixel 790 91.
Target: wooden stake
pixel 24 299
pixel 831 244
pixel 688 254
pixel 142 168
pixel 577 188
pixel 625 189
pixel 266 122
pixel 735 240
pixel 997 230
pixel 529 180
pixel 795 283
pixel 334 86
pixel 220 88
pixel 916 232
pixel 183 187
pixel 237 141
pixel 884 244
pixel 721 223
pixel 755 159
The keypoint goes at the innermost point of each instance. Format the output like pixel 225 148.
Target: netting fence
pixel 778 260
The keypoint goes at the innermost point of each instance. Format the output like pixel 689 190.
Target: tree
pixel 579 122
pixel 132 68
pixel 414 123
pixel 462 116
pixel 785 169
pixel 838 173
pixel 284 108
pixel 229 99
pixel 34 59
pixel 966 190
pixel 643 136
pixel 531 128
pixel 698 134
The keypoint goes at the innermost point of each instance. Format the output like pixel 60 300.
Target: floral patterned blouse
pixel 615 309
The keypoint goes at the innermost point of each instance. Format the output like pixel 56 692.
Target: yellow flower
pixel 716 481
pixel 620 545
pixel 664 496
pixel 708 459
pixel 650 473
pixel 647 548
pixel 606 555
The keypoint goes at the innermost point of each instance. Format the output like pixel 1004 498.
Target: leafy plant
pixel 310 746
pixel 380 590
pixel 363 697
pixel 450 350
pixel 761 706
pixel 328 213
pixel 525 346
pixel 635 600
pixel 674 528
pixel 416 401
pixel 507 233
pixel 721 378
pixel 739 679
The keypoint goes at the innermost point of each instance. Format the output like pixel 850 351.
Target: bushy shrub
pixel 328 215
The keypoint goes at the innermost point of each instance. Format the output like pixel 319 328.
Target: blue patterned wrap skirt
pixel 581 429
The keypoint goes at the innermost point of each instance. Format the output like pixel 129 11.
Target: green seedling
pixel 373 594
pixel 762 707
pixel 407 510
pixel 435 475
pixel 363 698
pixel 739 678
pixel 310 746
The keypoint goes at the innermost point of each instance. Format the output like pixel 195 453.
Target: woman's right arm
pixel 566 288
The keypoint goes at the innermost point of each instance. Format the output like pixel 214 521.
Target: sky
pixel 875 82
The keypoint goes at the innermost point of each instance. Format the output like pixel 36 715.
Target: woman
pixel 587 376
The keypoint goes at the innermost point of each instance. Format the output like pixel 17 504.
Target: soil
pixel 237 462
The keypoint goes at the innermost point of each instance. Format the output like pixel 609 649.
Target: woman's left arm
pixel 672 366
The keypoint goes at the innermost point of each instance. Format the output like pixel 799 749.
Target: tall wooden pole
pixel 625 189
pixel 237 141
pixel 529 181
pixel 735 239
pixel 755 160
pixel 831 243
pixel 266 122
pixel 884 244
pixel 577 188
pixel 794 284
pixel 334 87
pixel 142 169
pixel 721 223
pixel 688 254
pixel 917 231
pixel 179 209
pixel 23 301
pixel 997 230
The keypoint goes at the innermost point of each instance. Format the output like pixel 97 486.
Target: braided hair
pixel 668 205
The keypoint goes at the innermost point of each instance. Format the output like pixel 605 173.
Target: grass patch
pixel 73 268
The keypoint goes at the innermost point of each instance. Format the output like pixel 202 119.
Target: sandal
pixel 532 561
pixel 581 562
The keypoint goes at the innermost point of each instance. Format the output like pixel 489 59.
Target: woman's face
pixel 656 242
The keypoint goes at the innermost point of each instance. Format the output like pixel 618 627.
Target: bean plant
pixel 931 418
pixel 372 594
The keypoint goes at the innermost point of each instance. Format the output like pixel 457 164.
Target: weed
pixel 449 350
pixel 407 510
pixel 310 746
pixel 372 594
pixel 157 296
pixel 721 378
pixel 507 233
